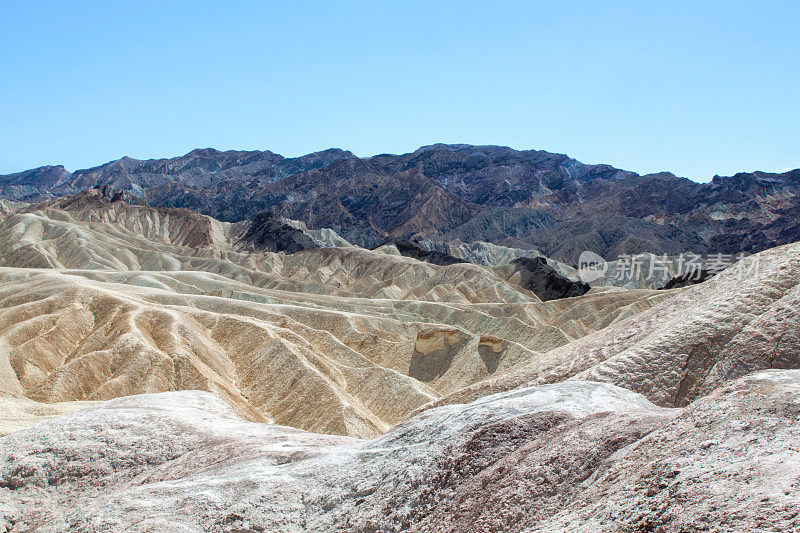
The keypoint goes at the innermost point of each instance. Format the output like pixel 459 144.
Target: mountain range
pixel 456 194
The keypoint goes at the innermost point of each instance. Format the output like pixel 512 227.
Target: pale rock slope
pixel 101 299
pixel 8 206
pixel 324 363
pixel 88 232
pixel 744 319
pixel 573 456
pixel 19 412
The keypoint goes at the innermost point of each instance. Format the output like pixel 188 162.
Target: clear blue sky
pixel 696 87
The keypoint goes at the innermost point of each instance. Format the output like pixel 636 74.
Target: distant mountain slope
pixel 457 194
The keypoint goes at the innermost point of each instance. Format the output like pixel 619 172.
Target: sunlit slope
pixel 89 232
pixel 743 320
pixel 101 299
pixel 323 363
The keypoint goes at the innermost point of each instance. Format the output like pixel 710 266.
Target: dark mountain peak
pixel 663 175
pixel 337 153
pixel 537 276
pixel 204 152
pixel 314 160
pixel 758 175
pixel 229 156
pixel 44 177
pixel 453 147
pixel 469 151
pixel 494 149
pixel 45 169
pixel 499 175
pixel 756 182
pixel 124 162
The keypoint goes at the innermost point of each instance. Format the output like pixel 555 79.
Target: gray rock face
pixel 479 252
pixel 545 282
pixel 273 233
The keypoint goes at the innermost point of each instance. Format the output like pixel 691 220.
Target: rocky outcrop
pixel 272 233
pixel 110 194
pixel 32 184
pixel 544 281
pixel 689 278
pixel 434 352
pixel 435 257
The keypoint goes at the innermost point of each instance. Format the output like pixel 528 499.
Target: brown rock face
pixel 434 352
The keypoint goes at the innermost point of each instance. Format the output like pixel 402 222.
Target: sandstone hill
pixel 101 299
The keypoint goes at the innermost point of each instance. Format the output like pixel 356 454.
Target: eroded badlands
pixel 158 372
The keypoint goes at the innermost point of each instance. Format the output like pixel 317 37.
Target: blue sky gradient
pixel 698 88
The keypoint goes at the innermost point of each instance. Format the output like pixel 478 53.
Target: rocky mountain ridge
pixel 457 194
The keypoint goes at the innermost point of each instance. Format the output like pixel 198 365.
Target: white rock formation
pixel 576 455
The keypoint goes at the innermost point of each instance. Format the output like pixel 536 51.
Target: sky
pixel 697 88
